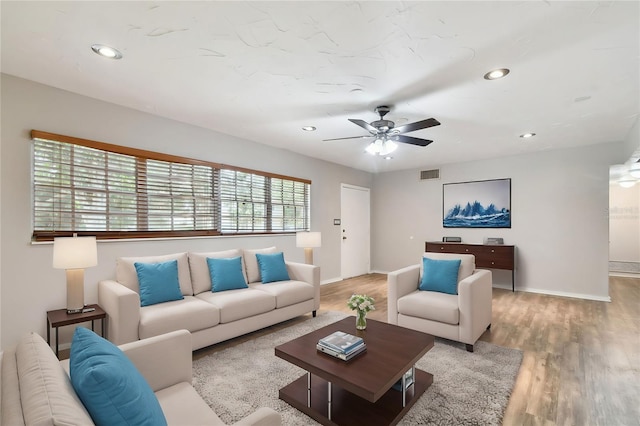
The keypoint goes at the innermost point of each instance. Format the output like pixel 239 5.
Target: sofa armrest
pixel 475 299
pixel 309 274
pixel 263 416
pixel 400 283
pixel 163 360
pixel 122 306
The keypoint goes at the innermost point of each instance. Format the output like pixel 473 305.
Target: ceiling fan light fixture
pixel 382 147
pixel 309 128
pixel 634 170
pixel 527 135
pixel 388 147
pixel 106 51
pixel 626 182
pixel 496 74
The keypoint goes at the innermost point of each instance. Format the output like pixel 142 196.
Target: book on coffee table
pixel 341 355
pixel 341 342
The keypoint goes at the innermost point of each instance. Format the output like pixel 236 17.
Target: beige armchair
pixel 462 317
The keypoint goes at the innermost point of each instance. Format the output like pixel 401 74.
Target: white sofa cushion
pixel 287 292
pixel 431 305
pixel 251 263
pixel 182 405
pixel 238 304
pixel 200 276
pixel 126 271
pixel 46 392
pixel 467 263
pixel 189 313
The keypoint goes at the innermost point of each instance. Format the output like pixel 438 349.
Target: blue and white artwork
pixel 481 204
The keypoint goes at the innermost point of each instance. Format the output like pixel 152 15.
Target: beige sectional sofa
pixel 211 317
pixel 36 389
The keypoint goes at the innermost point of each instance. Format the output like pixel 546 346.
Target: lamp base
pixel 75 290
pixel 308 256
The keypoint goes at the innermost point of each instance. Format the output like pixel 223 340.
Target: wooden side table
pixel 60 318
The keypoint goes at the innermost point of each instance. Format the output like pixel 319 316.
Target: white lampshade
pixel 74 252
pixel 308 239
pixel 634 170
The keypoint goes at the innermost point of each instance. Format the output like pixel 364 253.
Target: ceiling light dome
pixel 496 74
pixel 106 51
pixel 634 170
pixel 626 182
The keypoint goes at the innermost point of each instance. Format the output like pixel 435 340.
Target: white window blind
pixel 99 189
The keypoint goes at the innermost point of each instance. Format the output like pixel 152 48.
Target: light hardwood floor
pixel 581 362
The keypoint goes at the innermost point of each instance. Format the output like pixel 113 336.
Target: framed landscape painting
pixel 480 204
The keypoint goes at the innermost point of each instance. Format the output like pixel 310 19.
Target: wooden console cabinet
pixel 487 256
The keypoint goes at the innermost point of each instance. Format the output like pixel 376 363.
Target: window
pixel 94 188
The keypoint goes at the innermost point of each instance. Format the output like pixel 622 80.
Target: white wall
pixel 624 221
pixel 559 206
pixel 632 141
pixel 30 286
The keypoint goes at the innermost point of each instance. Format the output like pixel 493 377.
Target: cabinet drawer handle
pixel 493 251
pixel 493 263
pixel 441 248
pixel 466 249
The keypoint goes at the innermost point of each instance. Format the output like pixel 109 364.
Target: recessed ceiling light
pixel 496 74
pixel 388 158
pixel 309 128
pixel 106 51
pixel 527 135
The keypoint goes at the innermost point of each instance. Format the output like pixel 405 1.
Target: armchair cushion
pixel 109 385
pixel 431 305
pixel 440 275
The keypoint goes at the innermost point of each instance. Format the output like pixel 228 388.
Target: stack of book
pixel 341 345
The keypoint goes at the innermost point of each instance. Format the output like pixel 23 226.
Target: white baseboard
pixel 561 294
pixel 330 281
pixel 623 274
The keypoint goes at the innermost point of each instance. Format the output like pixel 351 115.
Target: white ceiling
pixel 262 70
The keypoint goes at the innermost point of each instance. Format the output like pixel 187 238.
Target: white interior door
pixel 355 231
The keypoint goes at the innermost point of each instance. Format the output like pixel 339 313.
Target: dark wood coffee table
pixel 358 391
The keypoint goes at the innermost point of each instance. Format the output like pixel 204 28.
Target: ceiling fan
pixel 386 134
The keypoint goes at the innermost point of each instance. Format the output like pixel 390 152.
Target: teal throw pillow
pixel 440 275
pixel 272 267
pixel 226 273
pixel 111 388
pixel 158 282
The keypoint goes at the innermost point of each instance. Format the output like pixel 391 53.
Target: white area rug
pixel 468 388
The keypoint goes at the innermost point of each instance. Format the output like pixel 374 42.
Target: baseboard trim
pixel 564 294
pixel 330 281
pixel 623 274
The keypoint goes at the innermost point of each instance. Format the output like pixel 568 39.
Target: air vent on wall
pixel 430 174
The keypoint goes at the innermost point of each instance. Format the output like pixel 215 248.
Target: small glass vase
pixel 361 320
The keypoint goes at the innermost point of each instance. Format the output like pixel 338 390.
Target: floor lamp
pixel 73 254
pixel 308 240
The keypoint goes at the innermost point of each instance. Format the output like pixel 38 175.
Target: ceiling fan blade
pixel 368 127
pixel 423 124
pixel 411 140
pixel 348 137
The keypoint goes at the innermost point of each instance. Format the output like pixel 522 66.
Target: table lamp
pixel 308 240
pixel 74 254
